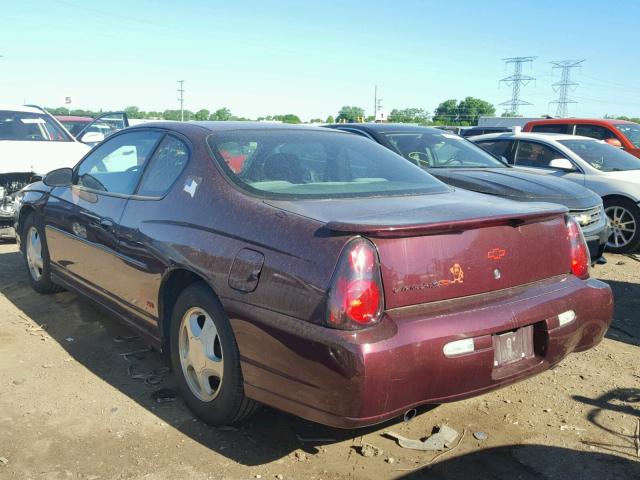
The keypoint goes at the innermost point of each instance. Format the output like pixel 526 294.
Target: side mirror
pixel 504 159
pixel 561 164
pixel 92 137
pixel 614 142
pixel 61 177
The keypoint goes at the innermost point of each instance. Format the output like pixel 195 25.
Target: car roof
pixel 595 121
pixel 530 135
pixel 20 108
pixel 220 126
pixel 385 127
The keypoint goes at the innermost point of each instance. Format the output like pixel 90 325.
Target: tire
pixel 205 358
pixel 624 216
pixel 36 256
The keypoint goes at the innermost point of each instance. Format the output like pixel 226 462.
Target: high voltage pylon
pixel 564 85
pixel 181 99
pixel 516 82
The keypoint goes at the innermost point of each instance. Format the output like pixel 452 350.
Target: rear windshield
pixel 602 156
pixel 631 131
pixel 30 127
pixel 312 164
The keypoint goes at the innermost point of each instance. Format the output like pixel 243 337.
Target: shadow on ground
pixel 97 341
pixel 625 327
pixel 523 462
pixel 620 400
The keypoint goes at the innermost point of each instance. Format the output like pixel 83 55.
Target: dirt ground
pixel 70 408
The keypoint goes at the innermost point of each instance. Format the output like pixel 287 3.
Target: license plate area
pixel 514 346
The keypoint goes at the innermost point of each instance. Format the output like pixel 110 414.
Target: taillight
pixel 356 299
pixel 580 258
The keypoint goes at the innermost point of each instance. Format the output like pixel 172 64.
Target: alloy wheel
pixel 623 226
pixel 34 253
pixel 201 354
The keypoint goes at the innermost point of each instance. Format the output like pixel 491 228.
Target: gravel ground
pixel 69 408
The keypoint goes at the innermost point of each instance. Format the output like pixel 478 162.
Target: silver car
pixel 609 171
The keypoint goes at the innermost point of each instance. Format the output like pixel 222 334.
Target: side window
pixel 551 128
pixel 500 148
pixel 116 165
pixel 530 154
pixel 164 167
pixel 594 131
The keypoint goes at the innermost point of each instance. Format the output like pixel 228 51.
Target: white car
pixel 32 143
pixel 609 171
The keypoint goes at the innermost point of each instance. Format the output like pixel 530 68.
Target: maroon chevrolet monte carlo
pixel 320 273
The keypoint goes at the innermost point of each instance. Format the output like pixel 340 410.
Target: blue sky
pixel 312 57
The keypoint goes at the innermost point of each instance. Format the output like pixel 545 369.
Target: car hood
pixel 632 176
pixel 518 185
pixel 414 212
pixel 39 157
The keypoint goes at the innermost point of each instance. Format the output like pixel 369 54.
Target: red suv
pixel 618 133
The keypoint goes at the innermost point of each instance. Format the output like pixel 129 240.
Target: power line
pixel 516 82
pixel 564 85
pixel 181 99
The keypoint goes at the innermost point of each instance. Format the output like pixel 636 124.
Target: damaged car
pixel 325 276
pixel 33 142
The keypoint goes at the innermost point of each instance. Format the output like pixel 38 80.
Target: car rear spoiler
pixel 390 229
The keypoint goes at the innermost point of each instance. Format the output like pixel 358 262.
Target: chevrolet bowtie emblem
pixel 496 253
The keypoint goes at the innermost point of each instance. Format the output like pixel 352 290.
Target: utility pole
pixel 564 85
pixel 516 82
pixel 375 103
pixel 181 99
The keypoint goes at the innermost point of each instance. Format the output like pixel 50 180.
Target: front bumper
pixel 597 242
pixel 7 230
pixel 348 379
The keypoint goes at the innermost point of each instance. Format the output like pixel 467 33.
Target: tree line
pixel 449 112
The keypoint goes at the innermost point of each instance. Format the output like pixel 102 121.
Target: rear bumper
pixel 350 380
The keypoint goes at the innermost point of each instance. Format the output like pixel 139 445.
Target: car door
pixel 535 155
pixel 149 210
pixel 103 127
pixel 81 221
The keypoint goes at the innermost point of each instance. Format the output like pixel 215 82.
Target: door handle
pixel 106 224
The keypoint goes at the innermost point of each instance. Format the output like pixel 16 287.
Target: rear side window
pixel 594 131
pixel 301 163
pixel 530 154
pixel 116 165
pixel 500 148
pixel 551 128
pixel 164 167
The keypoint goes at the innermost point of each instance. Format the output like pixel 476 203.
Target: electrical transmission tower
pixel 181 99
pixel 564 85
pixel 516 82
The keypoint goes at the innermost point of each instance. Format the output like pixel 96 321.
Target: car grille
pixel 587 217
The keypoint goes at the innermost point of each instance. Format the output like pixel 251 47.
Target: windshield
pixel 441 150
pixel 631 131
pixel 602 156
pixel 30 127
pixel 311 164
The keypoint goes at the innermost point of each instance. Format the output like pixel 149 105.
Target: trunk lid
pixel 444 246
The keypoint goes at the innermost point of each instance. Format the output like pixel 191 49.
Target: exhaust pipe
pixel 409 415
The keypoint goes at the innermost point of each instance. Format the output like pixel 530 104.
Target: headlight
pixel 582 218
